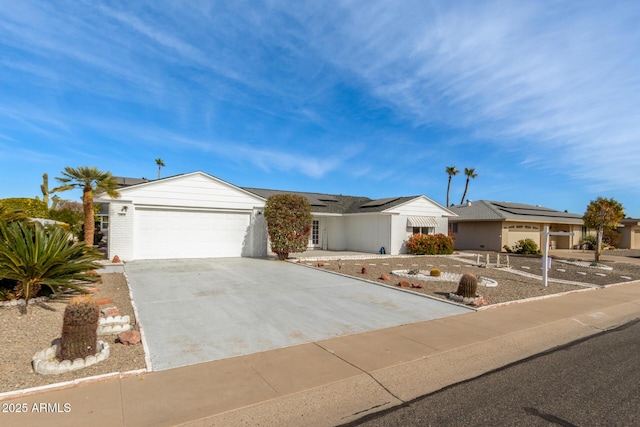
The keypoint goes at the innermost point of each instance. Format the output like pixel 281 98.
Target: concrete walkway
pixel 333 381
pixel 199 310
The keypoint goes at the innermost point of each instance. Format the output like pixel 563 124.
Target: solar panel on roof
pixel 379 202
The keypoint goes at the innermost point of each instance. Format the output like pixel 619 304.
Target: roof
pixel 320 202
pixel 127 182
pixel 337 203
pixel 486 210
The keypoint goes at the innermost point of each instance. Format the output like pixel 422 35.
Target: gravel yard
pixel 23 335
pixel 514 283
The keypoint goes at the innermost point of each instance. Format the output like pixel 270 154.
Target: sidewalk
pixel 337 380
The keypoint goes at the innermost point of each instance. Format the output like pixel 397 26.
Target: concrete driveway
pixel 198 310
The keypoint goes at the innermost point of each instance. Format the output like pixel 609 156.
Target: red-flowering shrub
pixel 289 222
pixel 430 244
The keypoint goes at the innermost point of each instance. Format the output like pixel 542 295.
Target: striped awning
pixel 422 221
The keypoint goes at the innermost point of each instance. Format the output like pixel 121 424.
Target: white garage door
pixel 521 232
pixel 162 234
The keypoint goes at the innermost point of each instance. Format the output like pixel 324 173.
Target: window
pixel 423 230
pixel 453 227
pixel 315 232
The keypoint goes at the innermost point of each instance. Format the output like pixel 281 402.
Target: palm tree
pixel 90 180
pixel 471 174
pixel 160 164
pixel 451 171
pixel 33 256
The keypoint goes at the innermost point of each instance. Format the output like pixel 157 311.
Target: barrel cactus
pixel 468 286
pixel 435 272
pixel 79 328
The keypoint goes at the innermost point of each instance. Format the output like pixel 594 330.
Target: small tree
pixel 601 214
pixel 289 222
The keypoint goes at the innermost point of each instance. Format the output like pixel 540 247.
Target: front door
pixel 315 238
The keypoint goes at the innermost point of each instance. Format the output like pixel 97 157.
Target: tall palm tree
pixel 471 174
pixel 90 180
pixel 160 164
pixel 451 171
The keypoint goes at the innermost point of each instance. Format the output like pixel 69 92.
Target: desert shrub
pixel 71 217
pixel 589 242
pixel 32 208
pixel 611 237
pixel 413 272
pixel 526 247
pixel 34 256
pixel 430 244
pixel 289 223
pixel 435 272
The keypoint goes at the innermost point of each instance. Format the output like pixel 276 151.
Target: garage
pixel 521 232
pixel 177 233
pixel 185 216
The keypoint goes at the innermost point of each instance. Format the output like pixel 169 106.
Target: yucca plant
pixel 35 256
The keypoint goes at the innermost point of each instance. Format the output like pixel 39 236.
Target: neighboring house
pixel 197 215
pixel 487 225
pixel 629 229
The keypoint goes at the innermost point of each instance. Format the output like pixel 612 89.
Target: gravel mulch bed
pixel 23 335
pixel 511 285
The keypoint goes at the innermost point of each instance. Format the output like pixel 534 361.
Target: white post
pixel 478 259
pixel 545 255
pixel 498 261
pixel 487 260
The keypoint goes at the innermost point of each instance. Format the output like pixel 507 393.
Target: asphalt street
pixel 591 382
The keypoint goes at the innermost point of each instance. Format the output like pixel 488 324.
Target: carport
pixel 198 310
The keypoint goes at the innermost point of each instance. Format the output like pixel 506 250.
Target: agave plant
pixel 35 256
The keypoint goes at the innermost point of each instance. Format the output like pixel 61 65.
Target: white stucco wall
pixel 120 234
pixel 368 233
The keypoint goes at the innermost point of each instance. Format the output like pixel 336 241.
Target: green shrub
pixel 34 256
pixel 430 244
pixel 611 237
pixel 526 247
pixel 32 208
pixel 435 272
pixel 589 242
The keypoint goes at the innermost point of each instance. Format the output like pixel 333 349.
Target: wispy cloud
pixel 553 77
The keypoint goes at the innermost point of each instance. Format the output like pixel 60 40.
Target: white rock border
pixel 113 325
pixel 586 264
pixel 458 298
pixel 444 277
pixel 44 362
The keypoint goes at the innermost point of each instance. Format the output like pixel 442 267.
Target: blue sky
pixel 369 98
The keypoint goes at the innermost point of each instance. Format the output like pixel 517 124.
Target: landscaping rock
pixel 321 264
pixel 385 277
pixel 110 311
pixel 416 285
pixel 130 337
pixel 104 301
pixel 404 284
pixel 116 259
pixel 364 270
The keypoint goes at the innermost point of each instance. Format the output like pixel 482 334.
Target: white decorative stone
pixel 44 362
